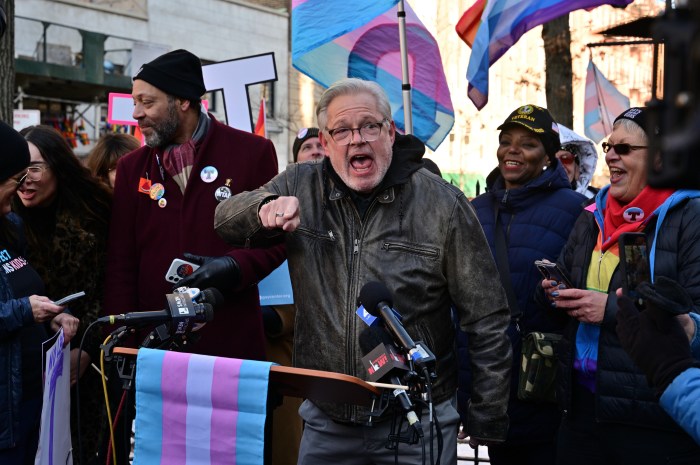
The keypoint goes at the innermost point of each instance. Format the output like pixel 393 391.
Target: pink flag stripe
pixel 174 380
pixel 224 394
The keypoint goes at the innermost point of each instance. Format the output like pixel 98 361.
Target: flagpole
pixel 405 84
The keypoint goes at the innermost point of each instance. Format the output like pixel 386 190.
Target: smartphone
pixel 179 269
pixel 551 271
pixel 69 298
pixel 634 264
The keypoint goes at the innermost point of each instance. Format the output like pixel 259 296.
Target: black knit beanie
pixel 15 152
pixel 177 73
pixel 302 135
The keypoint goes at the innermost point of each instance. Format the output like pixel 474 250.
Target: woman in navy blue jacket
pixel 23 312
pixel 530 199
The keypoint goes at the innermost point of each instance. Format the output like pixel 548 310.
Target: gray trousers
pixel 327 442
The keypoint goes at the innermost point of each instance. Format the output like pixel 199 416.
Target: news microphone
pixel 377 300
pixel 181 313
pixel 383 361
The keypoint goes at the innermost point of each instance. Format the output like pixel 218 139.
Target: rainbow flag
pixel 334 39
pixel 199 410
pixel 260 124
pixel 491 27
pixel 603 103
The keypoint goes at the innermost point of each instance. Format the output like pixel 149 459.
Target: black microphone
pixel 376 299
pixel 181 313
pixel 383 361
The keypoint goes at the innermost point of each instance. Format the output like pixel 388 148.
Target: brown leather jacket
pixel 421 238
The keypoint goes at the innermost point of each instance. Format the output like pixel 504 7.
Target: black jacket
pixel 622 392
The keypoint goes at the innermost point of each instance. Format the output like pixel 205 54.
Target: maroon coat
pixel 145 238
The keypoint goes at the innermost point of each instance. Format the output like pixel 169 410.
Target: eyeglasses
pixel 368 132
pixel 621 149
pixel 567 158
pixel 34 173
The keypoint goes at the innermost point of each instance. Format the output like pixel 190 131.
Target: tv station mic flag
pixel 335 39
pixel 199 410
pixel 491 27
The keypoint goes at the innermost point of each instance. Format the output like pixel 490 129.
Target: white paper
pixel 54 437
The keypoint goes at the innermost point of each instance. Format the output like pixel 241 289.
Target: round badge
pixel 162 202
pixel 222 193
pixel 157 191
pixel 633 214
pixel 302 132
pixel 209 174
pixel 184 270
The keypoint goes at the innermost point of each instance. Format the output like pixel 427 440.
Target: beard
pixel 163 132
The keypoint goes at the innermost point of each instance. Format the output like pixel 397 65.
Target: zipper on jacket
pixel 330 234
pixel 356 247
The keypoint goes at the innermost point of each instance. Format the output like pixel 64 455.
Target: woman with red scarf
pixel 611 415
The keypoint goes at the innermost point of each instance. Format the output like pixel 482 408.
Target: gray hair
pixel 632 127
pixel 352 86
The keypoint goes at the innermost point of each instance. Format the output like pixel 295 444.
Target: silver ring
pixel 279 214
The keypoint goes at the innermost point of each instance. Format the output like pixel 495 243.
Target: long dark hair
pixel 78 191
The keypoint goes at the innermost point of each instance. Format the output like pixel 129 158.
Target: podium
pixel 304 383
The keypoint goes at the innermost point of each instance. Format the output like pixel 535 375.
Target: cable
pixel 110 445
pixel 104 388
pixel 77 394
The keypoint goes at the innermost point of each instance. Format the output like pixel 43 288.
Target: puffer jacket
pixel 14 315
pixel 622 393
pixel 421 238
pixel 536 220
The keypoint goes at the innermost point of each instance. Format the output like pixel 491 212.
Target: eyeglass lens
pixel 369 133
pixel 621 149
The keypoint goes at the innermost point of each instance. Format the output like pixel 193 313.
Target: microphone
pixel 181 312
pixel 376 299
pixel 384 362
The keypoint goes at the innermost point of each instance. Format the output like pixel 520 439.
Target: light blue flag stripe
pixel 149 407
pixel 252 407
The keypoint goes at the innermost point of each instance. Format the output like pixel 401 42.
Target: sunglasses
pixel 567 158
pixel 621 149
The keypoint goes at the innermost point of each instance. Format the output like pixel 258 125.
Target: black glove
pixel 655 341
pixel 667 295
pixel 222 273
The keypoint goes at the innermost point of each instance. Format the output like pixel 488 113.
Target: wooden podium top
pixel 318 385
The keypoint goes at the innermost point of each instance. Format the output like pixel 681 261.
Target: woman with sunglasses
pixel 26 318
pixel 66 214
pixel 613 416
pixel 527 213
pixel 579 158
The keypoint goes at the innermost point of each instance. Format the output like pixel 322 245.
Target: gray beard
pixel 164 132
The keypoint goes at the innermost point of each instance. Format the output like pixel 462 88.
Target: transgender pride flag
pixel 334 39
pixel 199 410
pixel 491 27
pixel 602 105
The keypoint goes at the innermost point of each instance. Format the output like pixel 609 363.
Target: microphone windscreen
pixel 212 296
pixel 372 294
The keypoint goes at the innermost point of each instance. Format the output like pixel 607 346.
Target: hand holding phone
pixel 69 298
pixel 552 272
pixel 179 269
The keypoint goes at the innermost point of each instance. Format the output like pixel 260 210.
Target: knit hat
pixel 177 73
pixel 302 135
pixel 636 114
pixel 539 121
pixel 15 152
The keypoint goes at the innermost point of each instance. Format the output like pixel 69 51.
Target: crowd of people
pixel 361 204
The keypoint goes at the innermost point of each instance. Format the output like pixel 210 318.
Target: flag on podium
pixel 199 410
pixel 602 104
pixel 260 124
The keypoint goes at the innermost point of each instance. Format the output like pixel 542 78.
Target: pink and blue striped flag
pixel 199 410
pixel 491 27
pixel 334 39
pixel 602 104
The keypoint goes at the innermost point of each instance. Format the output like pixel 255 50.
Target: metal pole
pixel 405 84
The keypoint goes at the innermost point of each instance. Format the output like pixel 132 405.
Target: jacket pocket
pixel 413 249
pixel 317 235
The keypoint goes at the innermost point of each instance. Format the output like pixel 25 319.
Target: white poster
pixel 54 437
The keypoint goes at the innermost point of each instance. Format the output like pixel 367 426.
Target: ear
pixel 392 131
pixel 184 105
pixel 323 141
